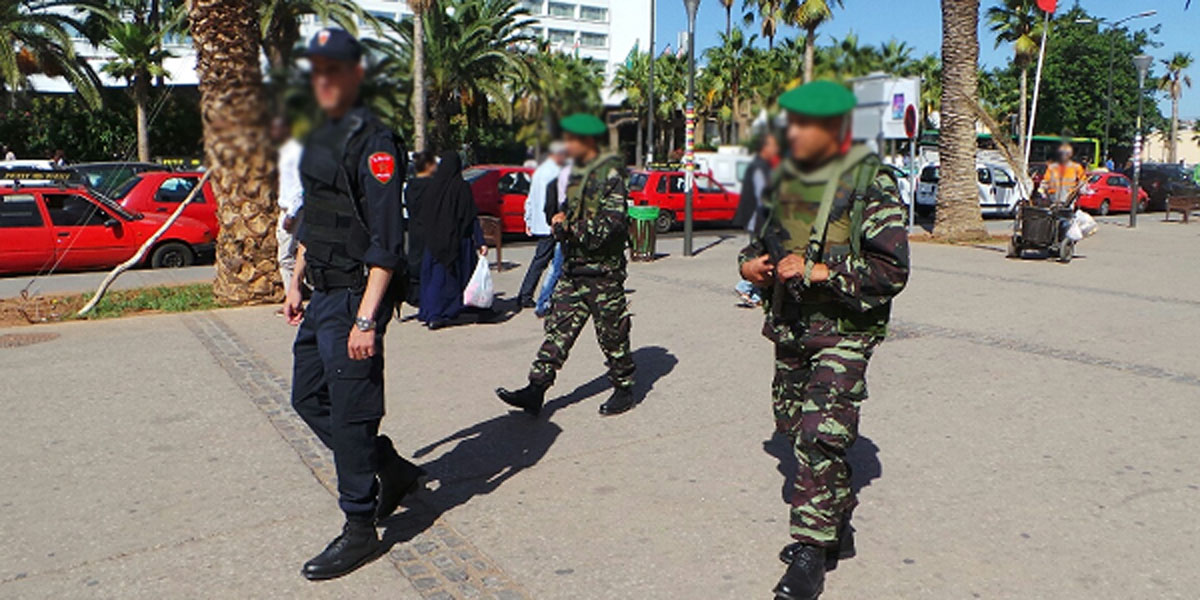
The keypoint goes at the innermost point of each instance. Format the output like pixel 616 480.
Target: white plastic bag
pixel 479 292
pixel 1074 233
pixel 1087 225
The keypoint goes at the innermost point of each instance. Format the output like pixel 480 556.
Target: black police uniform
pixel 352 172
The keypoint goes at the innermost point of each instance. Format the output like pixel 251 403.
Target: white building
pixel 588 27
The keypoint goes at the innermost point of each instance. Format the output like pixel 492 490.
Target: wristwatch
pixel 364 324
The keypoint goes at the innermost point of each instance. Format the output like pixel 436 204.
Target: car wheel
pixel 1142 207
pixel 1105 207
pixel 924 210
pixel 1066 251
pixel 172 255
pixel 665 221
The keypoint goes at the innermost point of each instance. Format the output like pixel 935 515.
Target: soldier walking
pixel 832 251
pixel 593 228
pixel 350 244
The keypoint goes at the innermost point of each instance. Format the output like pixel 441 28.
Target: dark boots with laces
pixel 357 545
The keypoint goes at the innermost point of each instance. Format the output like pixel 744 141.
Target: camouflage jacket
pixel 597 228
pixel 856 299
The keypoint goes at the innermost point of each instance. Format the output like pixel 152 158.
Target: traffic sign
pixel 910 122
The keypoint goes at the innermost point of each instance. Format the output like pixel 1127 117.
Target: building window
pixel 560 36
pixel 593 13
pixel 559 9
pixel 593 40
pixel 533 6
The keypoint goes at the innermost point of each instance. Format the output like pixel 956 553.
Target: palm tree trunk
pixel 728 19
pixel 1023 113
pixel 810 47
pixel 141 97
pixel 233 108
pixel 958 215
pixel 1173 146
pixel 420 113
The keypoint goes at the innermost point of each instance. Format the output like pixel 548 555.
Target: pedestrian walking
pixel 351 245
pixel 754 184
pixel 594 230
pixel 59 160
pixel 9 155
pixel 291 197
pixel 536 223
pixel 556 194
pixel 424 164
pixel 448 221
pixel 833 251
pixel 1063 176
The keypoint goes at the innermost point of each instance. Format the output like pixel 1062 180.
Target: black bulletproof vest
pixel 336 235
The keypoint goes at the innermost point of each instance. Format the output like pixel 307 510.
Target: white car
pixel 999 192
pixel 727 166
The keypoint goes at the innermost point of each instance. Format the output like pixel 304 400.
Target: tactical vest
pixel 824 220
pixel 584 199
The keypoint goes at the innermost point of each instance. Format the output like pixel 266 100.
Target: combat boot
pixel 844 549
pixel 397 478
pixel 620 401
pixel 356 546
pixel 805 576
pixel 529 398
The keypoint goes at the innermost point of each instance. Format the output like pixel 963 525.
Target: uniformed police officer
pixel 593 228
pixel 351 244
pixel 833 252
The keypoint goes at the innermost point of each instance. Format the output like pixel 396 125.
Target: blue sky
pixel 919 23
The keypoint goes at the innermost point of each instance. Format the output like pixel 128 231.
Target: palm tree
pixel 560 83
pixel 728 4
pixel 895 57
pixel 419 111
pixel 725 75
pixel 35 37
pixel 1172 82
pixel 279 22
pixel 139 58
pixel 233 107
pixel 769 13
pixel 472 58
pixel 1017 22
pixel 809 15
pixel 958 216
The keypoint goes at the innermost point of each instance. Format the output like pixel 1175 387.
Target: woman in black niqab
pixel 449 224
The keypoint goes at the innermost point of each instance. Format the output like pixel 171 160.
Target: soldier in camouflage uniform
pixel 593 229
pixel 833 252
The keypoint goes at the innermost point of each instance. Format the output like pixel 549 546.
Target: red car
pixel 68 228
pixel 161 192
pixel 500 191
pixel 665 189
pixel 1107 192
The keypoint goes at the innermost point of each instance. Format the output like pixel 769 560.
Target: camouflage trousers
pixel 575 299
pixel 817 393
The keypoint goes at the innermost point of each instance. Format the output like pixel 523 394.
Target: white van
pixel 727 165
pixel 999 192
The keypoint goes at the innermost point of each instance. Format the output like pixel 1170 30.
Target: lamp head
pixel 1143 62
pixel 692 6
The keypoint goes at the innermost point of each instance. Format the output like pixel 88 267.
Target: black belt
pixel 325 280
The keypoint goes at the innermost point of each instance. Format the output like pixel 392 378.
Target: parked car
pixel 999 193
pixel 109 177
pixel 727 166
pixel 160 192
pixel 903 182
pixel 1107 192
pixel 72 228
pixel 1164 180
pixel 500 191
pixel 665 189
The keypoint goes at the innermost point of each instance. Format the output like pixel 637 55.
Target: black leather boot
pixel 844 549
pixel 356 546
pixel 397 478
pixel 529 398
pixel 805 576
pixel 620 401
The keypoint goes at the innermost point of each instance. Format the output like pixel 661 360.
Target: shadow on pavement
pixel 863 455
pixel 717 242
pixel 491 452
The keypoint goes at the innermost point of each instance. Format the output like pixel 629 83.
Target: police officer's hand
pixel 759 271
pixel 361 345
pixel 293 306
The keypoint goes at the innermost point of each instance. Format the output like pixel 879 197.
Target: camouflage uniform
pixel 593 279
pixel 825 333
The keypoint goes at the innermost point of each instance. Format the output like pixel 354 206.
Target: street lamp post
pixel 1142 62
pixel 1112 26
pixel 650 95
pixel 690 133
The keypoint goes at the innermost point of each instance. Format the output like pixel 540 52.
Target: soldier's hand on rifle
pixel 759 271
pixel 559 219
pixel 791 267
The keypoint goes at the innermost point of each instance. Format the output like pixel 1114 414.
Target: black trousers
pixel 542 256
pixel 341 399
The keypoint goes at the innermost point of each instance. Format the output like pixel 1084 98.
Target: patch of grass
pixel 173 299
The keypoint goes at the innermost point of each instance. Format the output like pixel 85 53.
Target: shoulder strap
pixel 856 158
pixel 864 177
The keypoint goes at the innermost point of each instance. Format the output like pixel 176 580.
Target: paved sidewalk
pixel 1030 434
pixel 78 283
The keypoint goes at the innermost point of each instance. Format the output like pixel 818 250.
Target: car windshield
pixel 931 175
pixel 637 182
pixel 124 189
pixel 113 205
pixel 470 175
pixel 1093 179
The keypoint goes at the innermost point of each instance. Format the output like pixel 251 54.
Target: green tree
pixel 419 110
pixel 728 6
pixel 770 15
pixel 809 15
pixel 723 81
pixel 35 37
pixel 1017 22
pixel 560 84
pixel 279 24
pixel 1172 82
pixel 139 57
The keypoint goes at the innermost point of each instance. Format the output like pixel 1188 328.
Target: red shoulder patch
pixel 383 166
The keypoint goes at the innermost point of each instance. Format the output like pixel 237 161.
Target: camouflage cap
pixel 584 124
pixel 821 99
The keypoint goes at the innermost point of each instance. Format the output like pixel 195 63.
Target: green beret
pixel 821 99
pixel 584 124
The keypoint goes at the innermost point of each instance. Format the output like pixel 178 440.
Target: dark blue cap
pixel 336 44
